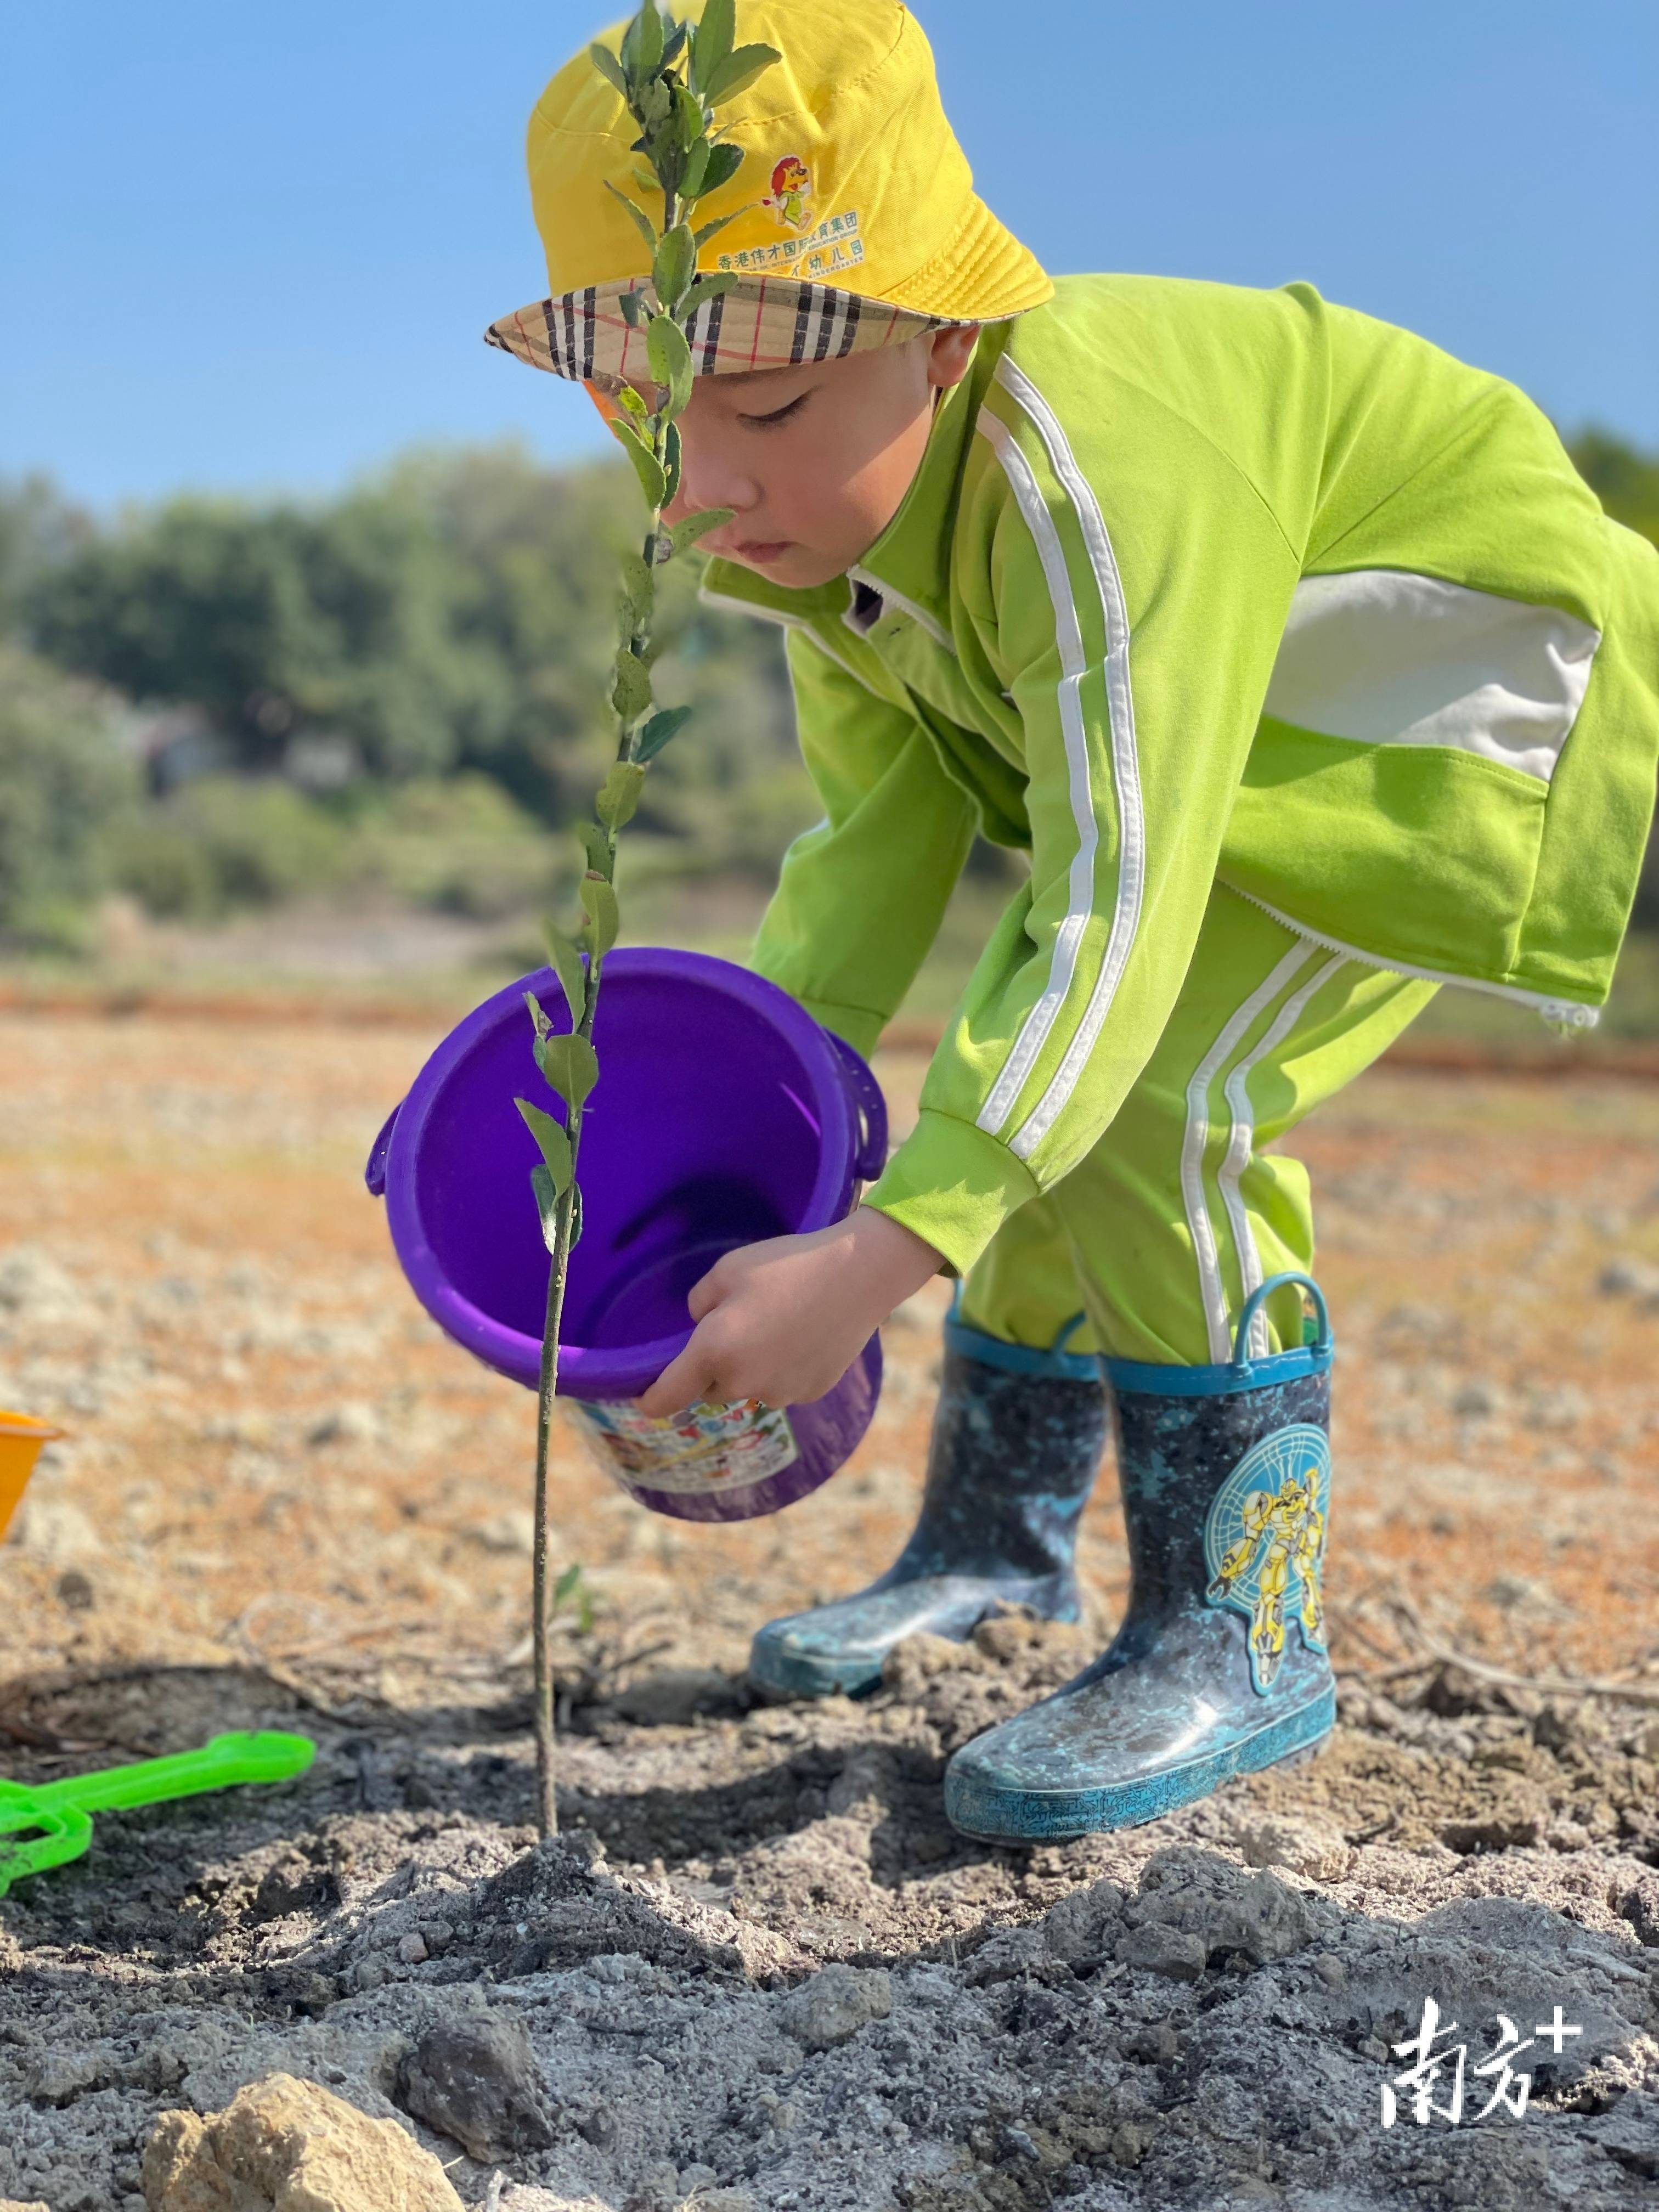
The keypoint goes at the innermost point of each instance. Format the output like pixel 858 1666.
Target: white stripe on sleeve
pixel 1125 766
pixel 1034 1030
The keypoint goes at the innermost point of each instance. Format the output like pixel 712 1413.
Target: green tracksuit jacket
pixel 1199 584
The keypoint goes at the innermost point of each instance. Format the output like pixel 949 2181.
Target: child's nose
pixel 709 478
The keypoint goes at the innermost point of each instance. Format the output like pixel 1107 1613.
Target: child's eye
pixel 778 415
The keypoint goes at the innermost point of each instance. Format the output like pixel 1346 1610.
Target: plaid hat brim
pixel 763 322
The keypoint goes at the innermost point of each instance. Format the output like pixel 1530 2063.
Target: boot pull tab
pixel 1322 1345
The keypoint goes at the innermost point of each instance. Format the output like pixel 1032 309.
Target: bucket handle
pixel 870 1108
pixel 374 1173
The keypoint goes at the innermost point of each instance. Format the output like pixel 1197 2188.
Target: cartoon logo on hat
pixel 792 192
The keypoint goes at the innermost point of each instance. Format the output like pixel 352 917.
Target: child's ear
pixel 950 352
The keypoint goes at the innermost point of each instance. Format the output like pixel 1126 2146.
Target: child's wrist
pixel 901 1258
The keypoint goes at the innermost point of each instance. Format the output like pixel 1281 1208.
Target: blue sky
pixel 254 248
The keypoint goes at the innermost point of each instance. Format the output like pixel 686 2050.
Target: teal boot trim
pixel 1219 1667
pixel 1017 1441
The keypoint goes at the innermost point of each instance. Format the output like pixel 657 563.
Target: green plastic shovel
pixel 55 1822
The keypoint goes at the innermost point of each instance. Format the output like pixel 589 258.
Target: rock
pixel 674 1698
pixel 921 1659
pixel 1158 1949
pixel 475 2078
pixel 1264 1921
pixel 1629 1277
pixel 411 1949
pixel 1313 1849
pixel 1476 1399
pixel 283 2145
pixel 1083 1926
pixel 836 2004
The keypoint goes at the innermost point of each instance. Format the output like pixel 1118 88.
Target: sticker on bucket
pixel 708 1450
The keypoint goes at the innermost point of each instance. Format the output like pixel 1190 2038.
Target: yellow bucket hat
pixel 856 223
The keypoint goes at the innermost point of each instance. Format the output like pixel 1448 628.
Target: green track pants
pixel 1177 1214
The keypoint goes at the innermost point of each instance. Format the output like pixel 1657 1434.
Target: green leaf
pixel 716 34
pixel 566 1585
pixel 595 845
pixel 566 962
pixel 656 104
pixel 694 526
pixel 674 265
pixel 639 589
pixel 537 1015
pixel 628 397
pixel 608 66
pixel 660 728
pixel 630 695
pixel 647 467
pixel 551 1141
pixel 572 1066
pixel 620 798
pixel 644 178
pixel 724 162
pixel 676 36
pixel 670 359
pixel 689 123
pixel 671 451
pixel 695 169
pixel 713 229
pixel 547 1205
pixel 604 922
pixel 642 221
pixel 739 70
pixel 642 43
pixel 710 288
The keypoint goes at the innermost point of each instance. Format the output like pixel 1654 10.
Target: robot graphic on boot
pixel 1016 1439
pixel 1225 1476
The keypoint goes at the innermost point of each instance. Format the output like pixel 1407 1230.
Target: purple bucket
pixel 724 1115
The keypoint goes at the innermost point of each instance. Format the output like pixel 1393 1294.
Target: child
pixel 1310 677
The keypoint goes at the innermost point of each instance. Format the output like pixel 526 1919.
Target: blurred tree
pixel 64 778
pixel 452 614
pixel 1626 482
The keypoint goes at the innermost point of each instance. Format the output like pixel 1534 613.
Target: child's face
pixel 814 460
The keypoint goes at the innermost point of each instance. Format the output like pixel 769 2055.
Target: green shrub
pixel 63 778
pixel 222 843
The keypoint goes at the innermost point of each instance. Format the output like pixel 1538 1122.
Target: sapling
pixel 672 76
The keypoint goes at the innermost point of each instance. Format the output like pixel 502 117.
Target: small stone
pixel 57 2077
pixel 289 2143
pixel 675 1697
pixel 1314 1849
pixel 1628 1277
pixel 1160 1949
pixel 412 1950
pixel 696 2177
pixel 1331 1971
pixel 1132 2139
pixel 1084 1925
pixel 476 2079
pixel 1477 1400
pixel 1264 1921
pixel 836 2004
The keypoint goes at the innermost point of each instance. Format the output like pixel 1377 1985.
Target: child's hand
pixel 784 1320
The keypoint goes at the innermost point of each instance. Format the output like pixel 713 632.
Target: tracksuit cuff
pixel 952 1185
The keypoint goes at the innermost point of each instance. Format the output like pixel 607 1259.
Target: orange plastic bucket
pixel 21 1438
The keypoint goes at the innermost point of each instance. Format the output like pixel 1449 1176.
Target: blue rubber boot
pixel 1017 1441
pixel 1219 1667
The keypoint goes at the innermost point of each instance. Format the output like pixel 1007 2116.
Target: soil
pixel 759 1970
